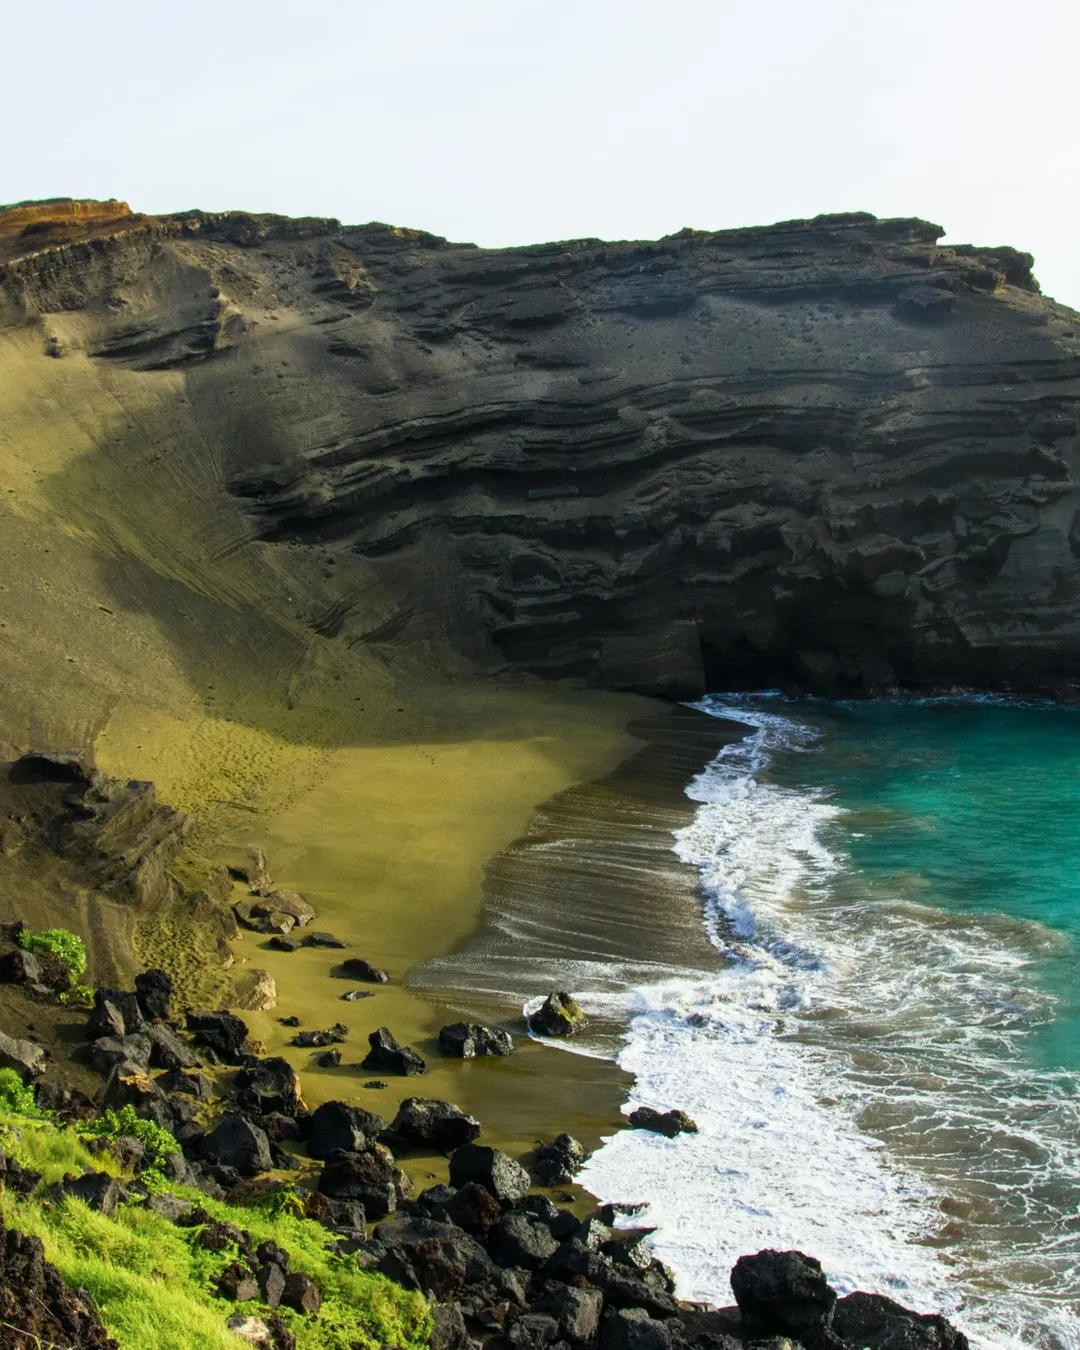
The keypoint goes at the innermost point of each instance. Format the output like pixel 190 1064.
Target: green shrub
pixel 16 1098
pixel 157 1143
pixel 79 995
pixel 66 947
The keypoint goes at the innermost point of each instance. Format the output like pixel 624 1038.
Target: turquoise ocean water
pixel 886 1074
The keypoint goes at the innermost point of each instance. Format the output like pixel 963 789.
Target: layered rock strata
pixel 832 452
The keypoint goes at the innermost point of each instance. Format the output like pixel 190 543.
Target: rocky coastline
pixel 496 1251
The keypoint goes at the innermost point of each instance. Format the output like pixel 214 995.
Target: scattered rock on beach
pixel 558 1015
pixel 338 1127
pixel 496 1171
pixel 555 1164
pixel 256 991
pixel 323 940
pixel 466 1040
pixel 285 944
pixel 355 995
pixel 386 1054
pixel 356 968
pixel 424 1122
pixel 669 1123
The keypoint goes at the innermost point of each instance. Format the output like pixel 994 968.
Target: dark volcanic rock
pixel 518 1240
pixel 387 1056
pixel 113 1050
pixel 669 1123
pixel 236 1142
pixel 436 1258
pixel 877 1323
pixel 355 968
pixel 466 1040
pixel 19 967
pixel 237 1282
pixel 35 1299
pixel 25 1057
pixel 168 1051
pixel 556 1163
pixel 153 989
pixel 222 1032
pixel 496 1171
pixel 782 1293
pixel 633 1329
pixel 426 1123
pixel 269 1086
pixel 98 1190
pixel 558 1015
pixel 302 1294
pixel 336 1127
pixel 367 1177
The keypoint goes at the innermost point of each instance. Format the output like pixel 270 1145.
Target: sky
pixel 517 121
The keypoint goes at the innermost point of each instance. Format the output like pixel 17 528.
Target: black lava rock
pixel 427 1123
pixel 782 1293
pixel 387 1056
pixel 467 1040
pixel 239 1144
pixel 356 968
pixel 496 1171
pixel 669 1123
pixel 337 1127
pixel 153 991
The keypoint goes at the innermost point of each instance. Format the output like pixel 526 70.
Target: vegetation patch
pixel 153 1282
pixel 63 946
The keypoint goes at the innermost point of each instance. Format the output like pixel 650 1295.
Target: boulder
pixel 255 991
pixel 126 1004
pixel 531 1331
pixel 286 902
pixel 558 1015
pixel 271 1281
pixel 473 1208
pixel 236 1142
pixel 782 1293
pixel 153 991
pixel 19 967
pixel 127 1085
pixel 496 1171
pixel 632 1329
pixel 221 1032
pixel 237 1282
pixel 195 1085
pixel 302 1294
pixel 106 1019
pixel 336 1127
pixel 334 1035
pixel 285 944
pixel 557 1162
pixel 386 1056
pixel 169 1207
pixel 272 921
pixel 436 1258
pixel 669 1123
pixel 448 1330
pixel 329 1059
pixel 25 1057
pixel 339 1215
pixel 355 995
pixel 355 968
pixel 323 940
pixel 518 1240
pixel 424 1122
pixel 467 1040
pixel 269 1086
pixel 269 1251
pixel 250 1330
pixel 876 1322
pixel 168 1051
pixel 366 1177
pixel 97 1190
pixel 576 1311
pixel 112 1050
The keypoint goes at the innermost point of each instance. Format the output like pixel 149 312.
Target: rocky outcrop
pixel 36 1307
pixel 831 453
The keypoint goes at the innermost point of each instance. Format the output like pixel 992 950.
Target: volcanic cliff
pixel 831 452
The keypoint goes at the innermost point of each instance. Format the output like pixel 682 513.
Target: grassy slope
pixel 154 1286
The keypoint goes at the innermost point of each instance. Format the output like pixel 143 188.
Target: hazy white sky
pixel 514 121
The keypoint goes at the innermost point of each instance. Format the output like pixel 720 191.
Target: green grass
pixel 154 1286
pixel 65 946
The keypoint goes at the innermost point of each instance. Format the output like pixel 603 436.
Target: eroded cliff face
pixel 829 452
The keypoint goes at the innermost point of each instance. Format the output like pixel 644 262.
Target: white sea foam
pixel 853 1075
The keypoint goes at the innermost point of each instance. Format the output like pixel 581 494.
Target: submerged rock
pixel 669 1123
pixel 558 1015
